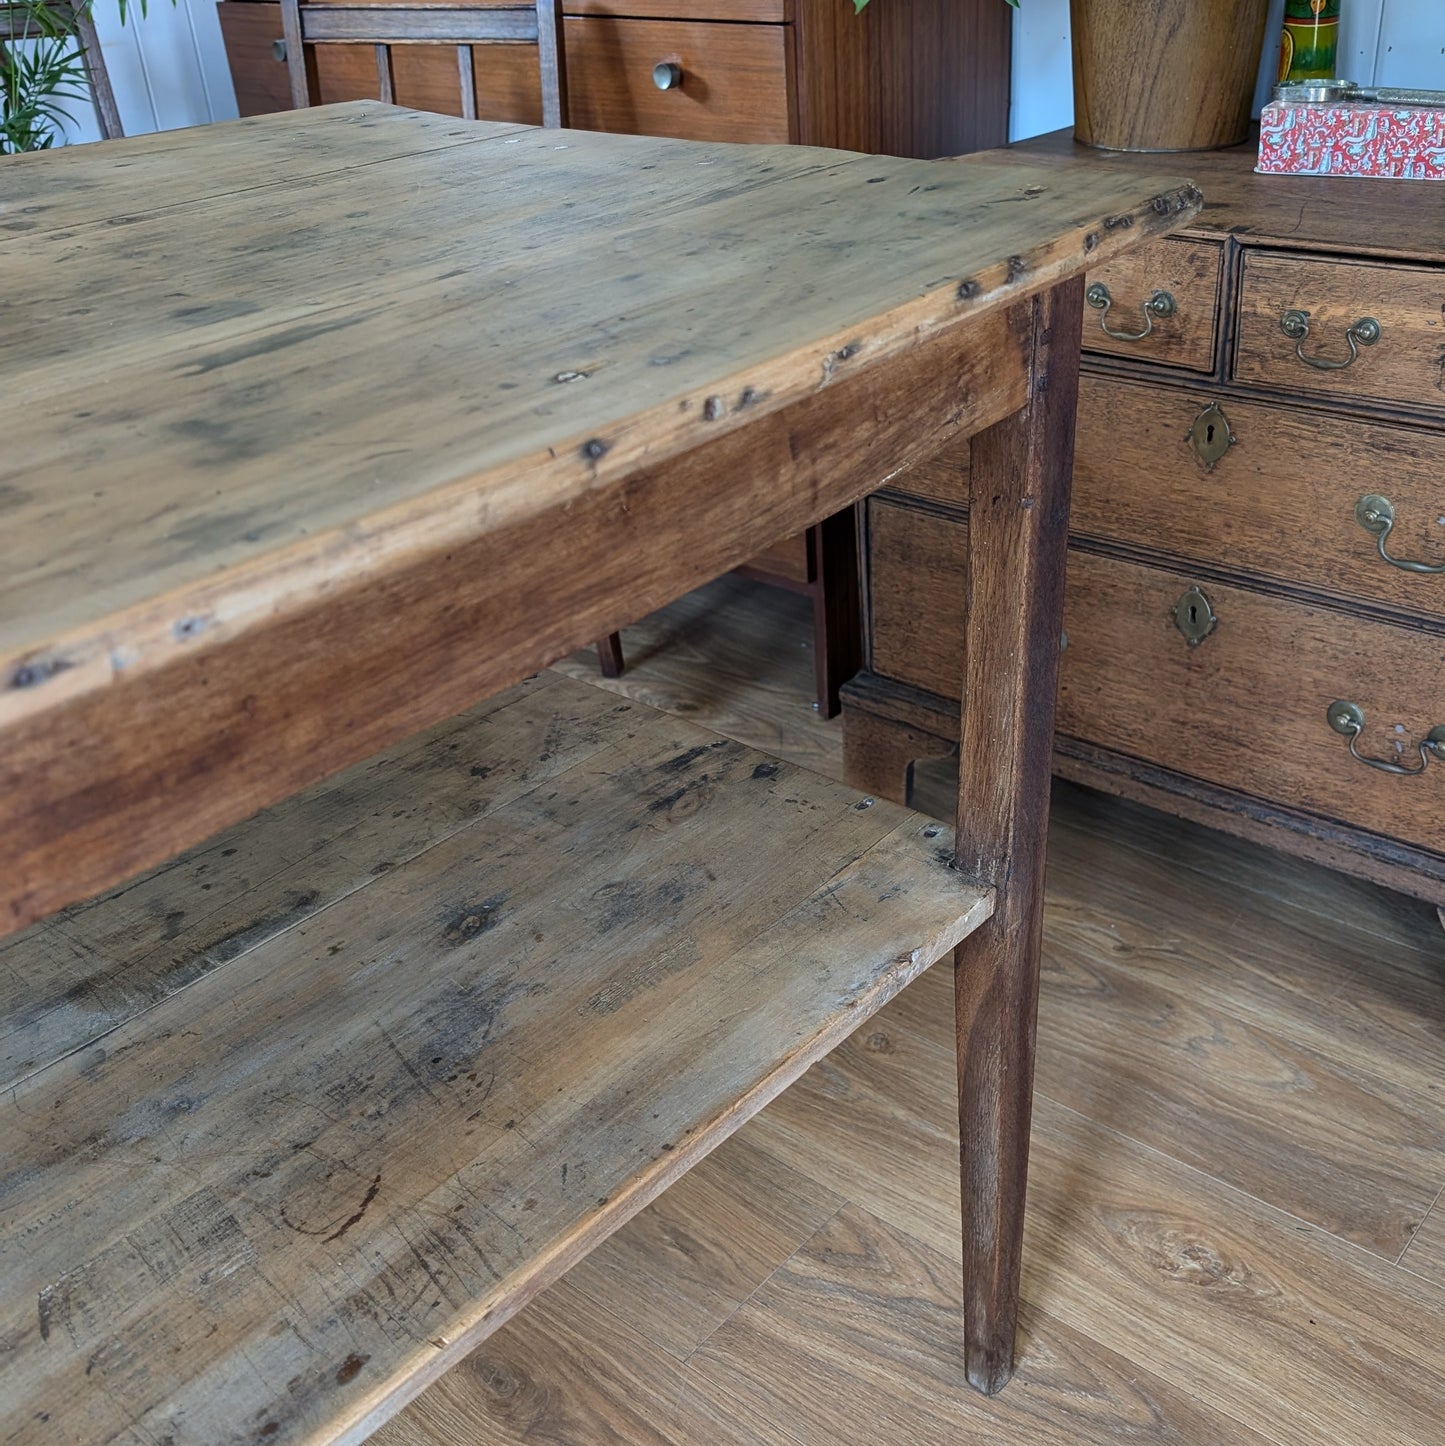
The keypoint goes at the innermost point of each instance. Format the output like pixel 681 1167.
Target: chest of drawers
pixel 1246 644
pixel 906 77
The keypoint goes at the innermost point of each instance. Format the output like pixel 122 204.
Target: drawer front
pixel 1245 709
pixel 250 29
pixel 1189 273
pixel 1280 501
pixel 1337 299
pixel 733 79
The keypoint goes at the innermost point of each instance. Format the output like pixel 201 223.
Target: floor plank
pixel 1240 1120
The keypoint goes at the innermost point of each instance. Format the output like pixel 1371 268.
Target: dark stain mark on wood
pixel 350 1368
pixel 968 289
pixel 187 628
pixel 277 341
pixel 37 671
pixel 214 311
pixel 713 408
pixel 1017 267
pixel 662 805
pixel 1117 223
pixel 270 1428
pixel 480 770
pixel 848 351
pixel 12 497
pixel 299 903
pixel 766 770
pixel 472 921
pixel 595 449
pixel 1091 240
pixel 358 1213
pixel 750 397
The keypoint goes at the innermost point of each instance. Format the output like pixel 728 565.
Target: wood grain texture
pixel 1192 272
pixel 450 1069
pixel 1272 509
pixel 1406 366
pixel 734 79
pixel 1013 589
pixel 1425 1254
pixel 1138 78
pixel 252 564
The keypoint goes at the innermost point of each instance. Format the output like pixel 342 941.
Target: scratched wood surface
pixel 270 415
pixel 338 1140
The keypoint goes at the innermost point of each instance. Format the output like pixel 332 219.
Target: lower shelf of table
pixel 296 1120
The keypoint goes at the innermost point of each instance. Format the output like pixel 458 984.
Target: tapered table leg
pixel 1014 591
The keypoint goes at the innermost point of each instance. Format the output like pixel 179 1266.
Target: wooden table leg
pixel 1014 591
pixel 609 655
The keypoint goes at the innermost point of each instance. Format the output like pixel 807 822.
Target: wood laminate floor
pixel 1235 1228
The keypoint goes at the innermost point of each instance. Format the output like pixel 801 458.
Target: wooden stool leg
pixel 609 654
pixel 1018 528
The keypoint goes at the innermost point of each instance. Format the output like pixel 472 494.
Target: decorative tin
pixel 1395 135
pixel 1309 38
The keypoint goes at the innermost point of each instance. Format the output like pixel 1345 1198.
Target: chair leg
pixel 1014 590
pixel 609 655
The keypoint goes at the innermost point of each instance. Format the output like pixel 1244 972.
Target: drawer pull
pixel 278 50
pixel 1377 515
pixel 1296 326
pixel 667 75
pixel 1349 719
pixel 1160 304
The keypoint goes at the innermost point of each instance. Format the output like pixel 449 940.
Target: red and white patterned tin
pixel 1355 138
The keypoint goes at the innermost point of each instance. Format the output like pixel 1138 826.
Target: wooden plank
pixel 89 969
pixel 1425 1254
pixel 1013 604
pixel 142 175
pixel 320 1173
pixel 380 660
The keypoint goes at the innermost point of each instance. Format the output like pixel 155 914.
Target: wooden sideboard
pixel 1227 592
pixel 915 78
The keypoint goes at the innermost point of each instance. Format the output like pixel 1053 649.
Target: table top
pixel 283 397
pixel 240 361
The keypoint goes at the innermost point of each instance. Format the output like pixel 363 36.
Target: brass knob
pixel 667 75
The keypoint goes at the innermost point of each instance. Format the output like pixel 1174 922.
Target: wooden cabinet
pixel 1228 591
pixel 907 77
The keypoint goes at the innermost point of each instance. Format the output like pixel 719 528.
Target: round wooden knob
pixel 667 75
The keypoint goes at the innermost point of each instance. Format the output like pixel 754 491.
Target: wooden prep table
pixel 322 429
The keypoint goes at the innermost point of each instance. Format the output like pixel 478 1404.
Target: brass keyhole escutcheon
pixel 1211 436
pixel 1194 617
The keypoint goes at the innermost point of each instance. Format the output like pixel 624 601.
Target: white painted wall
pixel 169 69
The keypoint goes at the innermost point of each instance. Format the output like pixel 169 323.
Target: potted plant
pixel 42 68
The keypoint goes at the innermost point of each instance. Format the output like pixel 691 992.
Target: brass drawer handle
pixel 1160 304
pixel 1296 326
pixel 1377 515
pixel 1349 719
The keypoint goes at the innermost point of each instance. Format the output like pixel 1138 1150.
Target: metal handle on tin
pixel 1377 515
pixel 1296 326
pixel 1160 304
pixel 1349 719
